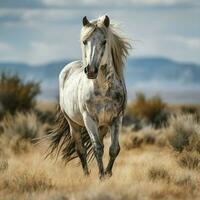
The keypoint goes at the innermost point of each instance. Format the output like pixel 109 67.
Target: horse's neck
pixel 106 75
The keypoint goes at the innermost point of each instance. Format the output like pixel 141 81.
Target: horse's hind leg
pixel 114 147
pixel 81 151
pixel 80 148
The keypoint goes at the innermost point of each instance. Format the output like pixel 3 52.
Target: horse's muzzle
pixel 91 74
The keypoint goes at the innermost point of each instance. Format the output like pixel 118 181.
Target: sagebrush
pixel 184 133
pixel 15 95
pixel 151 111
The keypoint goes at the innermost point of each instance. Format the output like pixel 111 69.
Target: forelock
pixel 86 31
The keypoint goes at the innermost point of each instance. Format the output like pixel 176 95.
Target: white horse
pixel 92 97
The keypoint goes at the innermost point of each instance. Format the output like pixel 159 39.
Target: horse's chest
pixel 106 105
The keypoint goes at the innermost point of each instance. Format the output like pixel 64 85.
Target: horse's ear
pixel 85 21
pixel 106 21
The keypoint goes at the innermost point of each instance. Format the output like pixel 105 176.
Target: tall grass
pixel 147 172
pixel 25 125
pixel 146 136
pixel 184 133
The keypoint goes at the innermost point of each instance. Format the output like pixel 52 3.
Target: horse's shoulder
pixel 68 69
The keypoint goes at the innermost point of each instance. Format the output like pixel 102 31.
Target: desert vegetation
pixel 152 111
pixel 15 95
pixel 159 158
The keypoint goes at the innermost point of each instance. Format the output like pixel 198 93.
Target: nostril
pixel 95 70
pixel 86 70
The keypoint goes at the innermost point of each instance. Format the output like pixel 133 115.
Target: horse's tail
pixel 61 140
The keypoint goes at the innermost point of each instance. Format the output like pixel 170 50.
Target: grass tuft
pixel 190 160
pixel 184 133
pixel 3 165
pixel 158 173
pixel 28 182
pixel 24 125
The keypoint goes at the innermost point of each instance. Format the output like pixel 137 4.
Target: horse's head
pixel 94 39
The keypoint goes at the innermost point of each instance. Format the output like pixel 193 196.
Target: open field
pixel 146 172
pixel 159 158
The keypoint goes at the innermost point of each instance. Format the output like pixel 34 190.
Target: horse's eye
pixel 85 42
pixel 104 42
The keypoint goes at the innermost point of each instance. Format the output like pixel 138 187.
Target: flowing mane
pixel 119 45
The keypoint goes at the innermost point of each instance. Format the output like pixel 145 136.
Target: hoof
pixel 102 176
pixel 108 174
pixel 87 173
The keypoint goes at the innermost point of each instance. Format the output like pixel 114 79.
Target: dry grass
pixel 3 165
pixel 146 136
pixel 150 172
pixel 184 133
pixel 24 125
pixel 146 168
pixel 190 160
pixel 158 173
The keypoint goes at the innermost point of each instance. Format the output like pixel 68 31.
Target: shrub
pixel 152 111
pixel 46 116
pixel 146 136
pixel 184 181
pixel 20 146
pixel 184 133
pixel 190 109
pixel 161 140
pixel 149 135
pixel 24 125
pixel 130 120
pixel 16 95
pixel 133 141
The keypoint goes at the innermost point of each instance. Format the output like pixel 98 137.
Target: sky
pixel 43 31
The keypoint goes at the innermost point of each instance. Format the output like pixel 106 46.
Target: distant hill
pixel 175 81
pixel 163 69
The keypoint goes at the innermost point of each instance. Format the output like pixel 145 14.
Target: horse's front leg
pixel 114 147
pixel 98 147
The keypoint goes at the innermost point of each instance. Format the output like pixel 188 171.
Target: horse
pixel 92 97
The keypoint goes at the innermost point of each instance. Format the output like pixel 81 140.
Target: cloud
pixel 41 52
pixel 124 3
pixel 38 52
pixel 38 17
pixel 42 35
pixel 96 3
pixel 177 47
pixel 20 4
pixel 6 51
pixel 4 47
pixel 187 42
